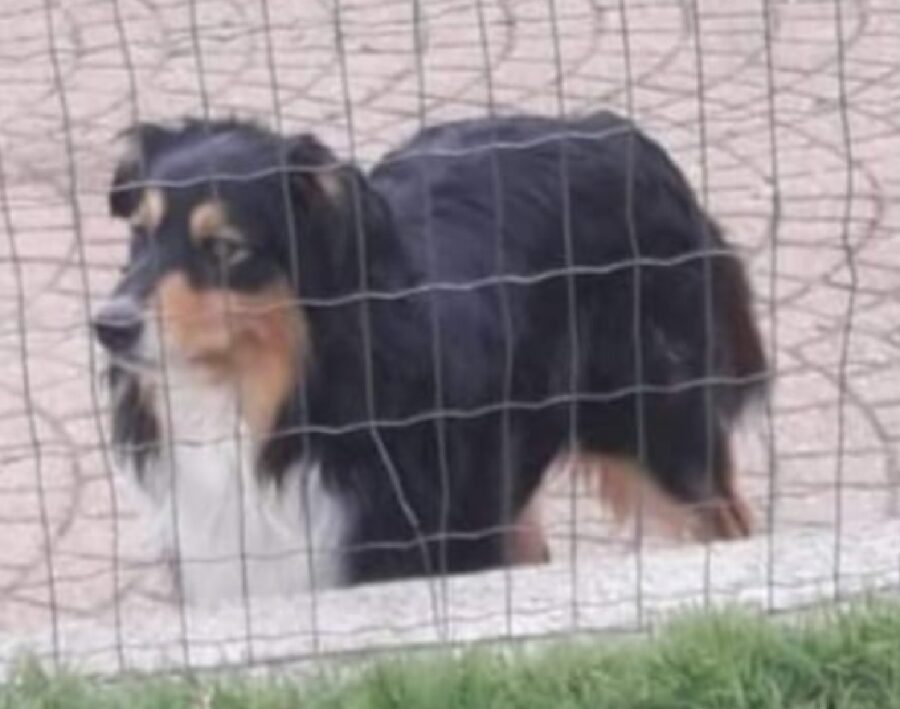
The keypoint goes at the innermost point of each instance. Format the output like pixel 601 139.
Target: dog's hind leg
pixel 526 544
pixel 629 491
pixel 677 480
pixel 726 515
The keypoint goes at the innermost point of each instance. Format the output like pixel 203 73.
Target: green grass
pixel 849 660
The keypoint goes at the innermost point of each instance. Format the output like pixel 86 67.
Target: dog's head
pixel 227 221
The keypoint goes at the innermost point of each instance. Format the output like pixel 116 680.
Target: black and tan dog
pixel 323 377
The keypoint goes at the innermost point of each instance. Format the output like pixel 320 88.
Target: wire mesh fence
pixel 783 115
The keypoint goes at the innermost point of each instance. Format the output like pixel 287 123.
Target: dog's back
pixel 534 202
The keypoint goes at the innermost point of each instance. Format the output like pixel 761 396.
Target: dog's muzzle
pixel 118 324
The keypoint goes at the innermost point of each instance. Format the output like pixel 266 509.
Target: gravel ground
pixel 787 124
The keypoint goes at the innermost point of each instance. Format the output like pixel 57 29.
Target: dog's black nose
pixel 118 325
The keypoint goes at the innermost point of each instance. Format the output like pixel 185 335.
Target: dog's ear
pixel 143 142
pixel 338 208
pixel 316 175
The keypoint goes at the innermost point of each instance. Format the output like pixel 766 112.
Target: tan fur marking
pixel 728 518
pixel 525 542
pixel 629 491
pixel 257 342
pixel 150 210
pixel 211 219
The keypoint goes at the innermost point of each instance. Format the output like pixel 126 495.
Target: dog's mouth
pixel 144 352
pixel 156 368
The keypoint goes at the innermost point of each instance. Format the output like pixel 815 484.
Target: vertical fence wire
pixel 571 294
pixel 853 287
pixel 72 193
pixel 506 460
pixel 772 230
pixel 437 338
pixel 708 276
pixel 635 254
pixel 294 268
pixel 33 435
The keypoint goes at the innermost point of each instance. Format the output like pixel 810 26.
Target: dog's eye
pixel 227 252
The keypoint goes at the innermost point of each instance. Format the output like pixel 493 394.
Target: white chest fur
pixel 230 535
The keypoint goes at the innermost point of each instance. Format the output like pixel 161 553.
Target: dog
pixel 321 376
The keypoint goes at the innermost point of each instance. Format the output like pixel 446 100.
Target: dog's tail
pixel 743 361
